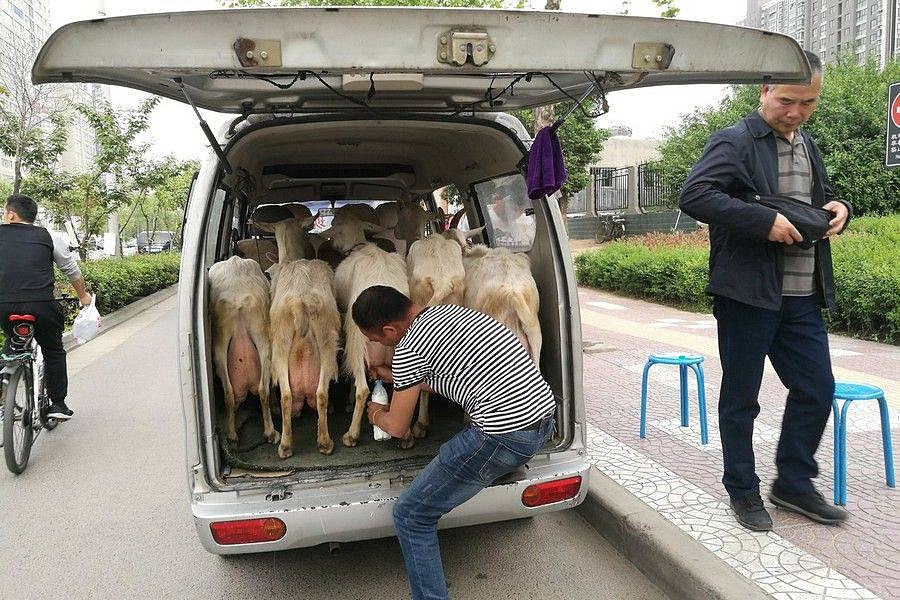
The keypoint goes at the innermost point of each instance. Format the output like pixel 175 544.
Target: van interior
pixel 474 165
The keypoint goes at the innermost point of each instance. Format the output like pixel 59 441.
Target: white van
pixel 334 105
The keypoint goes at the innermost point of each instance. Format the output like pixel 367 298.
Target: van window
pixel 508 212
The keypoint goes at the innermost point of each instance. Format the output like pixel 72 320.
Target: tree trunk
pixel 552 5
pixel 17 175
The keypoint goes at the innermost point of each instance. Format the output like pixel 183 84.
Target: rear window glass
pixel 508 211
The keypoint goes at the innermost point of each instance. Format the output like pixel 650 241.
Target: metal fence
pixel 579 202
pixel 651 191
pixel 610 187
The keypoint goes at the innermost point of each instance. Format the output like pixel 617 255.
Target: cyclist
pixel 26 287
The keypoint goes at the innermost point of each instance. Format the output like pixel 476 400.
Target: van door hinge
pixel 258 53
pixel 459 46
pixel 652 56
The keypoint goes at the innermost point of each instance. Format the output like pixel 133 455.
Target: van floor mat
pixel 254 453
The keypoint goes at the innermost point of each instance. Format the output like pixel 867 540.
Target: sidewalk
pixel 675 475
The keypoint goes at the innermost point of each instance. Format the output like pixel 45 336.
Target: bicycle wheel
pixel 18 405
pixel 604 231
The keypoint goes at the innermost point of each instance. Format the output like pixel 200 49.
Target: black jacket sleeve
pixel 705 196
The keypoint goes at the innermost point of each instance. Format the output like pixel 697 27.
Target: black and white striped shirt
pixel 477 362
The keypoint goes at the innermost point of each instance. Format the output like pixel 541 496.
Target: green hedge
pixel 121 281
pixel 867 276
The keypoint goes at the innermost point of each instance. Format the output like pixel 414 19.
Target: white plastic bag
pixel 87 323
pixel 379 396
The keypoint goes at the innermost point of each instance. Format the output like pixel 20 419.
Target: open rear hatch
pixel 300 60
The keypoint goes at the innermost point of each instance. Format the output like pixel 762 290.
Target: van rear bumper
pixel 363 510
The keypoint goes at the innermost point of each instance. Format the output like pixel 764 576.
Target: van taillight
pixel 551 491
pixel 247 531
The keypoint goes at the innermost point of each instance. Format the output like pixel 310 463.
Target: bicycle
pixel 610 227
pixel 23 413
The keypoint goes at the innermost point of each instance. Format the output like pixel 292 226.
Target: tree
pixel 32 123
pixel 160 189
pixel 85 200
pixel 849 127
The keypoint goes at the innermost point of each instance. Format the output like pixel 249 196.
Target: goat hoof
pixel 349 440
pixel 285 451
pixel 232 442
pixel 326 447
pixel 407 443
pixel 419 430
pixel 273 438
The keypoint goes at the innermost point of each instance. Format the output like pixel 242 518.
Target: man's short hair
pixel 815 63
pixel 23 206
pixel 379 305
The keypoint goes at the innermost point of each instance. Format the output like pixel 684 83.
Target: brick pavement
pixel 674 473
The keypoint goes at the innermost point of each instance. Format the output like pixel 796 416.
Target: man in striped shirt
pixel 768 294
pixel 476 362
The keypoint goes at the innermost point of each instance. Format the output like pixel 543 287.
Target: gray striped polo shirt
pixel 795 180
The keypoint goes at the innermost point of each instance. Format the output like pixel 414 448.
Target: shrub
pixel 673 269
pixel 120 281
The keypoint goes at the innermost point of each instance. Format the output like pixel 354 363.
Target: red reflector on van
pixel 248 531
pixel 551 491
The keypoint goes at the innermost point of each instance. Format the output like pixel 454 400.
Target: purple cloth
pixel 546 171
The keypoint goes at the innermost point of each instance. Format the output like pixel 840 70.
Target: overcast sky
pixel 174 129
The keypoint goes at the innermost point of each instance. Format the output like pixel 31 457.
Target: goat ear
pixel 263 226
pixel 273 270
pixel 370 227
pixel 473 232
pixel 307 222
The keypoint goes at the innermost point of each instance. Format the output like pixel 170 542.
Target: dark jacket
pixel 743 264
pixel 26 263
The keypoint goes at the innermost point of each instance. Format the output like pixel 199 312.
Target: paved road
pixel 102 512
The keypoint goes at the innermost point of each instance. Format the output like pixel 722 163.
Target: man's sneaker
pixel 751 513
pixel 59 411
pixel 811 505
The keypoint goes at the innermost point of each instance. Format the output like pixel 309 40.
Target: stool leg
pixel 844 411
pixel 682 372
pixel 643 431
pixel 836 450
pixel 886 442
pixel 701 402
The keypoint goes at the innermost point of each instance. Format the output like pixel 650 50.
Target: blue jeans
pixel 466 464
pixel 796 342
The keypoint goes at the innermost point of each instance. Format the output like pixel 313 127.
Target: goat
pixel 366 265
pixel 436 276
pixel 500 284
pixel 304 325
pixel 239 310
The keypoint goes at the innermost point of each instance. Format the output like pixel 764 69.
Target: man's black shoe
pixel 59 411
pixel 751 513
pixel 811 505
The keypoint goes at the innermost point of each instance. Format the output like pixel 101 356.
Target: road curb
pixel 671 558
pixel 128 311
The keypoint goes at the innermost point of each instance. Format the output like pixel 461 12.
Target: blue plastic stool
pixel 850 392
pixel 684 362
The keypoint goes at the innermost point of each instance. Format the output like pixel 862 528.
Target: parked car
pixel 315 125
pixel 161 241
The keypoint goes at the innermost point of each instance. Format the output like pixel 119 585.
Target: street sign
pixel 892 145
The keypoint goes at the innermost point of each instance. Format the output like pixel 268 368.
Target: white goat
pixel 436 276
pixel 500 284
pixel 239 310
pixel 304 327
pixel 367 265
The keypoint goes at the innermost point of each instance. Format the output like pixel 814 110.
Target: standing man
pixel 478 363
pixel 768 294
pixel 27 255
